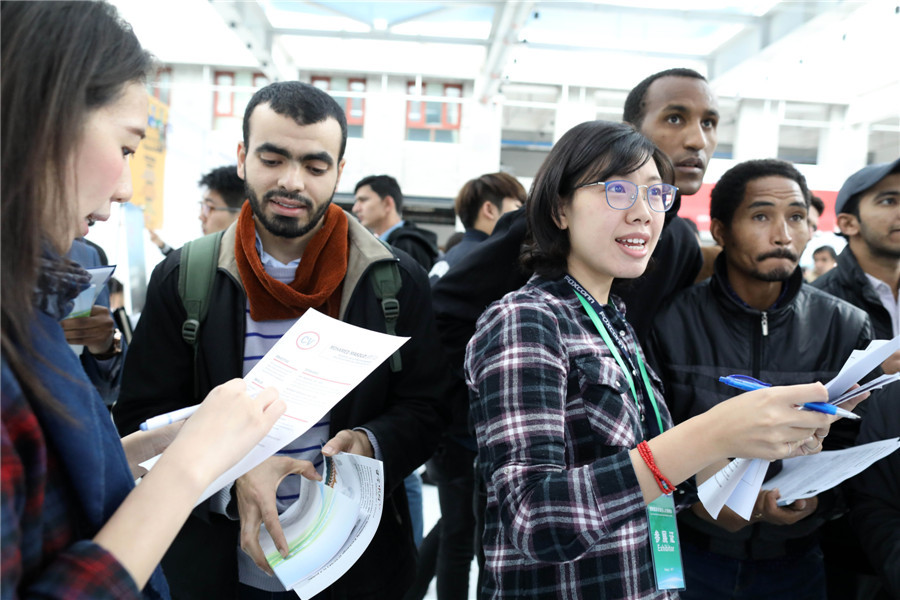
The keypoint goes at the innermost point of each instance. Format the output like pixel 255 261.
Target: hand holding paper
pixel 722 490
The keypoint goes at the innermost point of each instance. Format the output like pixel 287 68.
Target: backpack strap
pixel 199 263
pixel 386 283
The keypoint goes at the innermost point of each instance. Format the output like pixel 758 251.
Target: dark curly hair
pixel 729 191
pixel 635 102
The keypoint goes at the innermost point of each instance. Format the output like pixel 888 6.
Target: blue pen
pixel 744 382
pixel 830 409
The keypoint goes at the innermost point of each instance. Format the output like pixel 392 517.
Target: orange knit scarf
pixel 317 283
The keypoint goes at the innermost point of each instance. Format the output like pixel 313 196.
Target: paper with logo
pixel 85 300
pixel 313 366
pixel 808 476
pixel 331 524
pixel 718 491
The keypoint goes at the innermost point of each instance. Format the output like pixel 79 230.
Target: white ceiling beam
pixel 249 21
pixel 504 36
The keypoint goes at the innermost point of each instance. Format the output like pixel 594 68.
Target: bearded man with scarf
pixel 291 249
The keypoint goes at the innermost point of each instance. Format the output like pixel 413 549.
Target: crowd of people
pixel 560 380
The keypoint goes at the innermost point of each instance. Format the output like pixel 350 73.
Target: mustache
pixel 288 196
pixel 782 253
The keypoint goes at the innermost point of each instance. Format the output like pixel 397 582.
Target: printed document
pixel 808 476
pixel 737 485
pixel 330 525
pixel 313 366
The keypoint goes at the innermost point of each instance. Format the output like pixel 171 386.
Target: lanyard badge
pixel 664 544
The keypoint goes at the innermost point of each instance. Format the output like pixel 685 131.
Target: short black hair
pixel 225 180
pixel 729 191
pixel 490 187
pixel 635 103
pixel 828 249
pixel 587 153
pixel 383 185
pixel 817 203
pixel 304 103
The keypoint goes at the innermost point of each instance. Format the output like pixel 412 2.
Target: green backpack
pixel 200 261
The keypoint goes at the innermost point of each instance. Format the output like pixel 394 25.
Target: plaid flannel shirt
pixel 555 419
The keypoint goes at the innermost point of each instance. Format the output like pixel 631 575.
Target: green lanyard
pixel 615 352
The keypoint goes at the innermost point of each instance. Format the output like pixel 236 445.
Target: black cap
pixel 863 180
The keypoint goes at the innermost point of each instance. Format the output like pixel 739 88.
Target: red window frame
pixel 348 104
pixel 230 95
pixel 445 121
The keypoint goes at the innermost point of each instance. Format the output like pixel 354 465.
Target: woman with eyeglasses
pixel 74 108
pixel 575 443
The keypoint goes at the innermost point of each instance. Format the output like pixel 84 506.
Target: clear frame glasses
pixel 206 208
pixel 621 194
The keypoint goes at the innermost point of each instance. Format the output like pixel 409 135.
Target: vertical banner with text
pixel 149 165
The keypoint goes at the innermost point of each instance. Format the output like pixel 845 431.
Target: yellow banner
pixel 148 166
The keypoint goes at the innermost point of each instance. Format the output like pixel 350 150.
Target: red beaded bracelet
pixel 661 480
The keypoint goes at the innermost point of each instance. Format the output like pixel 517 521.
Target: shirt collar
pixel 268 260
pixel 384 236
pixel 886 296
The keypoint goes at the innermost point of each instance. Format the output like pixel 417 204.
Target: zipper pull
pixel 765 324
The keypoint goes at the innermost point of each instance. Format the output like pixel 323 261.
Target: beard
pixel 779 273
pixel 281 226
pixel 876 244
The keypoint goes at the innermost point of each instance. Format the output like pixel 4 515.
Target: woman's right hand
pixel 767 424
pixel 228 424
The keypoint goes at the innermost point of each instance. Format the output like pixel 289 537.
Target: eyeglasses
pixel 621 194
pixel 206 208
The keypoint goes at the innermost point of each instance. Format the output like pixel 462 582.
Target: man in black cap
pixel 868 269
pixel 867 275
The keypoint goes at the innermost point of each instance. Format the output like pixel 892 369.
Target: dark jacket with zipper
pixel 848 282
pixel 707 332
pixel 402 410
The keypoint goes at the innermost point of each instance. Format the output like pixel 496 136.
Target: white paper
pixel 84 301
pixel 726 482
pixel 808 476
pixel 860 364
pixel 313 366
pixel 342 533
pixel 736 485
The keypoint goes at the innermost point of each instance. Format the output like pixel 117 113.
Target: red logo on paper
pixel 307 340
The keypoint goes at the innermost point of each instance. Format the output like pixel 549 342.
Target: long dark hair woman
pixel 74 108
pixel 574 438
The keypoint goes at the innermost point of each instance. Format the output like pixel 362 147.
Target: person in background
pixel 574 450
pixel 816 208
pixel 102 347
pixel 824 259
pixel 379 207
pixel 479 205
pixel 74 108
pixel 223 196
pixel 756 317
pixel 867 275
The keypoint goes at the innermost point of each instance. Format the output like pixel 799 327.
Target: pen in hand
pixel 747 383
pixel 829 409
pixel 170 417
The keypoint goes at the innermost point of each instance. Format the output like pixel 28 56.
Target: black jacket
pixel 848 282
pixel 419 243
pixel 875 504
pixel 707 332
pixel 403 410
